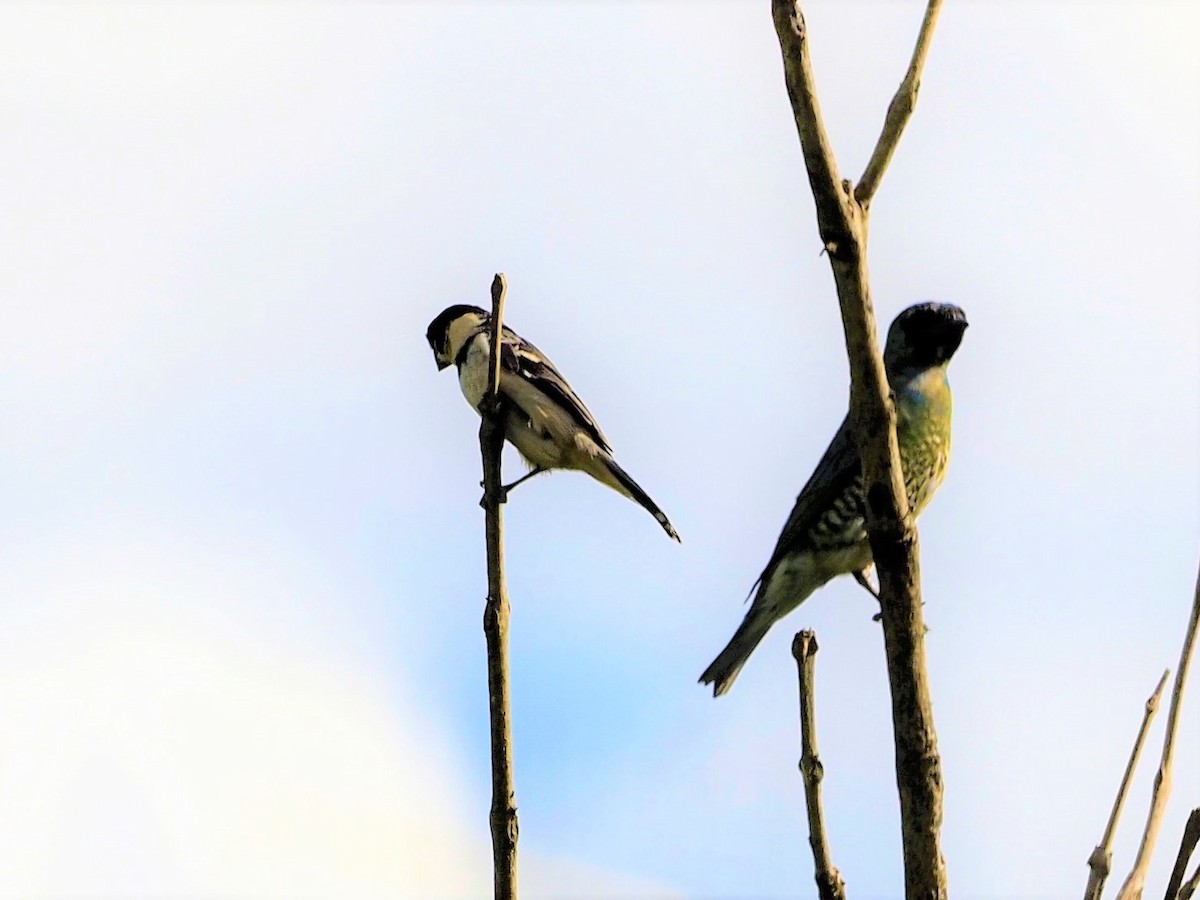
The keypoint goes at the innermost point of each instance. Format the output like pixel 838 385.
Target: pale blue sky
pixel 241 566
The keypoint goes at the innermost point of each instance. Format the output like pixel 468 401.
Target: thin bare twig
pixel 1187 846
pixel 1132 888
pixel 1189 887
pixel 503 817
pixel 842 222
pixel 900 110
pixel 829 881
pixel 1100 862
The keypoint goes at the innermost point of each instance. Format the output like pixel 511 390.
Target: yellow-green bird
pixel 826 535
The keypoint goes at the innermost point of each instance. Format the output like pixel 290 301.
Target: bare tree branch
pixel 830 194
pixel 1100 862
pixel 1187 846
pixel 900 110
pixel 1132 888
pixel 842 222
pixel 503 818
pixel 829 881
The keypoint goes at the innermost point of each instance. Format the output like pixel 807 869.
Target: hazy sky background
pixel 241 560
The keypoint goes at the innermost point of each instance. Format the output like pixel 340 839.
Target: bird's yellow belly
pixel 924 470
pixel 923 432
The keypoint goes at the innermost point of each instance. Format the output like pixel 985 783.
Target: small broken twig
pixel 829 881
pixel 1100 862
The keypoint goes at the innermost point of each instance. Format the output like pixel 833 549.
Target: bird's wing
pixel 526 361
pixel 834 473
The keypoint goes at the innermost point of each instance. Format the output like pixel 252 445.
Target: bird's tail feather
pixel 622 482
pixel 729 662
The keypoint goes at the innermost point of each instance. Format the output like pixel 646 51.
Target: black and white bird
pixel 544 419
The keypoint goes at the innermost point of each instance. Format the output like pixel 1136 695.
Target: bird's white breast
pixel 473 373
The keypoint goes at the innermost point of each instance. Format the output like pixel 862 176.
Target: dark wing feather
pixel 520 357
pixel 834 473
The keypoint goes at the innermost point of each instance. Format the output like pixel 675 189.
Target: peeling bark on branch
pixel 842 221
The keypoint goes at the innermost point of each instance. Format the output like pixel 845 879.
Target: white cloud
pixel 158 739
pixel 139 716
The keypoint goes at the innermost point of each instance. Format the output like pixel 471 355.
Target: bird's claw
pixel 865 583
pixel 502 490
pixel 501 494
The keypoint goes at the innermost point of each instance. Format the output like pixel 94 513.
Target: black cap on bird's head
pixel 438 332
pixel 924 335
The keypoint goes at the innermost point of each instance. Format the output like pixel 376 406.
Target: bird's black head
pixel 438 332
pixel 923 336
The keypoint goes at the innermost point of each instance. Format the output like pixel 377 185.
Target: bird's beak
pixel 957 329
pixel 442 363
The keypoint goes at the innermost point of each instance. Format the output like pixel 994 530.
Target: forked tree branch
pixel 1187 846
pixel 1132 888
pixel 829 881
pixel 503 818
pixel 1100 862
pixel 842 222
pixel 900 110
